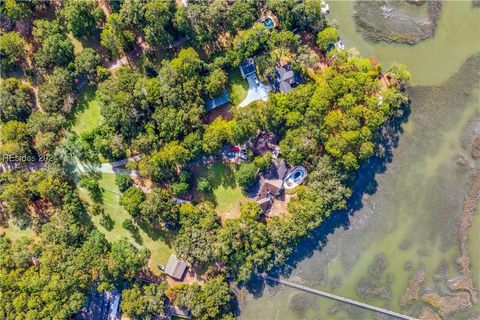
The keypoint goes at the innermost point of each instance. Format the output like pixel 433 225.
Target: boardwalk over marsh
pixel 338 298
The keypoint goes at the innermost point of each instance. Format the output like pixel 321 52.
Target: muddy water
pixel 474 243
pixel 409 222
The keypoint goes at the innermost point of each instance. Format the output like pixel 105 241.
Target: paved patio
pixel 255 91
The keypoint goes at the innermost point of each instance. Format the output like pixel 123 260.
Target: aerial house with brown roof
pixel 268 191
pixel 266 142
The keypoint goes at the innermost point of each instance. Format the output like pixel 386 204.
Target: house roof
pixel 270 187
pixel 285 74
pixel 281 168
pixel 284 87
pixel 178 312
pixel 286 79
pixel 99 306
pixel 276 184
pixel 264 203
pixel 175 268
pixel 247 67
pixel 277 170
pixel 212 103
pixel 265 142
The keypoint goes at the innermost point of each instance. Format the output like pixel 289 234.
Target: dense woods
pixel 152 105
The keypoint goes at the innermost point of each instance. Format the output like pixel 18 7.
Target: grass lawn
pixel 237 87
pixel 153 241
pixel 14 233
pixel 77 45
pixel 227 194
pixel 88 115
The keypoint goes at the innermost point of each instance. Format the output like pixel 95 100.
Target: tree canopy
pixel 54 93
pixel 17 100
pixel 210 301
pixel 115 37
pixel 86 62
pixel 12 49
pixel 144 302
pixel 158 22
pixel 294 14
pixel 158 207
pixel 55 47
pixel 81 17
pixel 132 199
pixel 327 37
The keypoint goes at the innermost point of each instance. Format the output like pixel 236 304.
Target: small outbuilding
pixel 176 268
pixel 174 311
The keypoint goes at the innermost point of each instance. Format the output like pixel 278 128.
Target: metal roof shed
pixel 222 99
pixel 176 268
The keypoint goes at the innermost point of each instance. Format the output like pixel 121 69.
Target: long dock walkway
pixel 338 298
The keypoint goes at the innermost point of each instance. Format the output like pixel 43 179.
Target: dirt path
pixel 130 56
pixel 105 6
pixel 35 93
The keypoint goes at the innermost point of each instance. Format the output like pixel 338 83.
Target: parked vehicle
pixel 243 154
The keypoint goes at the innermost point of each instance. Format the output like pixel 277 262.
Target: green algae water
pixel 409 224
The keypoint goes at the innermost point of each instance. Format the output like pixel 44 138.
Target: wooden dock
pixel 338 298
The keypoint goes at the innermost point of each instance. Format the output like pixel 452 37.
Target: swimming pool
pixel 268 22
pixel 295 178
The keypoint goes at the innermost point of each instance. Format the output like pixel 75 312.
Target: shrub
pixel 123 181
pixel 107 222
pixel 179 188
pixel 246 174
pixel 204 185
pixel 97 210
pixel 127 224
pixel 93 187
pixel 131 200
